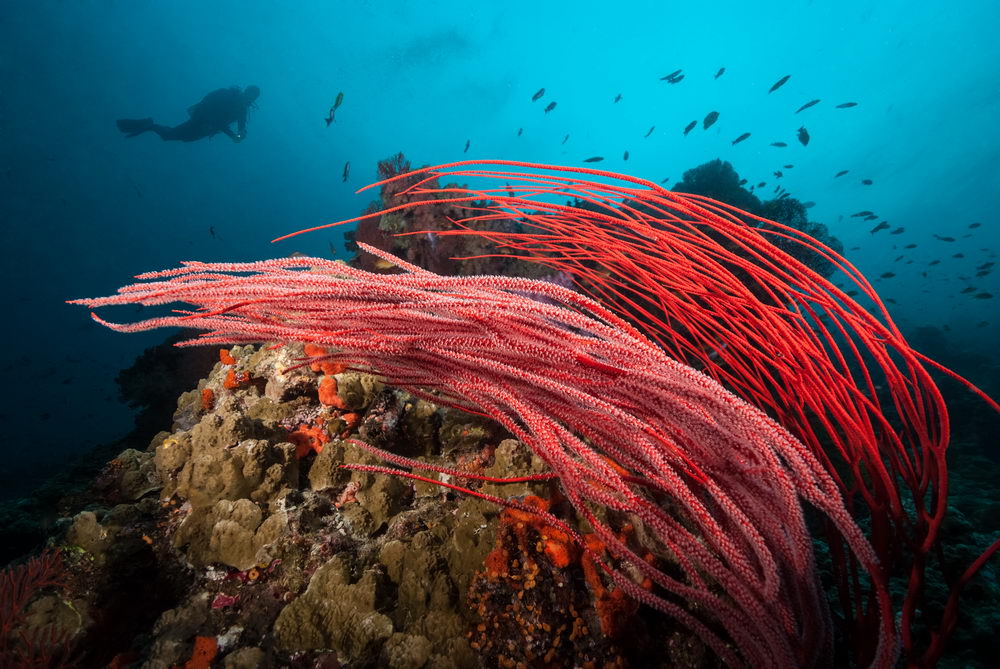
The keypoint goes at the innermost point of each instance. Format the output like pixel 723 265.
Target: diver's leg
pixel 185 132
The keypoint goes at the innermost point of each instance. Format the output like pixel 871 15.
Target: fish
pixel 943 239
pixel 721 72
pixel 887 275
pixel 852 293
pixel 973 226
pixel 890 300
pixel 867 182
pixel 778 174
pixel 779 83
pixel 855 248
pixel 550 107
pixel 840 173
pixel 986 265
pixel 808 205
pixel 870 217
pixel 519 131
pixel 983 296
pixel 676 81
pixel 468 142
pixel 538 96
pixel 671 75
pixel 847 105
pixel 780 145
pixel 618 98
pixel 983 272
pixel 788 167
pixel 625 157
pixel 933 262
pixel 594 159
pixel 807 105
pixel 565 139
pixel 741 138
pixel 761 184
pixel 861 214
pixel 743 182
pixel 910 246
pixel 946 328
pixel 690 127
pixel 333 110
pixel 898 231
pixel 664 180
pixel 649 132
pixel 982 324
pixel 970 289
pixel 804 136
pixel 383 264
pixel 958 255
pixel 211 231
pixel 710 119
pixel 347 170
pixel 881 226
pixel 898 258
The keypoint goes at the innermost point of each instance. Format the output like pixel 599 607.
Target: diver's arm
pixel 241 124
pixel 232 135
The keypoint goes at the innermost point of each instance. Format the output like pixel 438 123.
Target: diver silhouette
pixel 214 114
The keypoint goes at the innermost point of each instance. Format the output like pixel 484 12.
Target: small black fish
pixel 550 107
pixel 779 144
pixel 788 167
pixel 986 265
pixel 890 300
pixel 840 173
pixel 970 289
pixel 898 231
pixel 887 275
pixel 537 96
pixel 910 246
pixel 870 217
pixel 671 75
pixel 852 293
pixel 741 138
pixel 958 255
pixel 649 132
pixel 618 98
pixel 676 81
pixel 861 214
pixel 973 226
pixel 778 174
pixel 743 181
pixel 625 157
pixel 946 328
pixel 710 119
pixel 777 188
pixel 690 127
pixel 761 184
pixel 333 109
pixel 983 272
pixel 721 71
pixel 468 142
pixel 943 239
pixel 211 231
pixel 855 248
pixel 594 159
pixel 846 105
pixel 982 324
pixel 867 182
pixel 807 105
pixel 933 262
pixel 519 131
pixel 983 296
pixel 347 170
pixel 779 83
pixel 808 205
pixel 664 180
pixel 804 136
pixel 898 258
pixel 881 226
pixel 565 139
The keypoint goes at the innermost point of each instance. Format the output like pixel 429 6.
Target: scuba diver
pixel 214 114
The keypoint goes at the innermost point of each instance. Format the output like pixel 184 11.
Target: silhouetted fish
pixel 761 184
pixel 779 83
pixel 649 132
pixel 887 275
pixel 594 159
pixel 550 107
pixel 690 127
pixel 804 136
pixel 984 272
pixel 671 75
pixel 852 293
pixel 958 255
pixel 855 248
pixel 618 98
pixel 537 96
pixel 676 81
pixel 625 157
pixel 347 170
pixel 845 105
pixel 565 139
pixel 519 131
pixel 933 262
pixel 743 181
pixel 807 105
pixel 943 239
pixel 788 167
pixel 741 138
pixel 898 258
pixel 779 144
pixel 778 174
pixel 664 180
pixel 867 182
pixel 910 246
pixel 881 226
pixel 898 231
pixel 861 214
pixel 870 217
pixel 970 289
pixel 333 109
pixel 468 142
pixel 721 71
pixel 840 173
pixel 809 205
pixel 973 226
pixel 983 296
pixel 710 119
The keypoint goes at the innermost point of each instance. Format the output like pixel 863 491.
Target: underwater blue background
pixel 84 209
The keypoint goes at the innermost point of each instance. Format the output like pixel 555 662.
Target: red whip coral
pixel 584 389
pixel 712 285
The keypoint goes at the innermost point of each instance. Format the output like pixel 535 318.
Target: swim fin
pixel 134 126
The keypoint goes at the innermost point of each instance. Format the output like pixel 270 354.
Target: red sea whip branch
pixel 591 397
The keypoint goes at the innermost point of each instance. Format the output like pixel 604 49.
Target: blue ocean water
pixel 84 209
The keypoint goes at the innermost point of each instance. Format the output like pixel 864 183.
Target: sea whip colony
pixel 625 426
